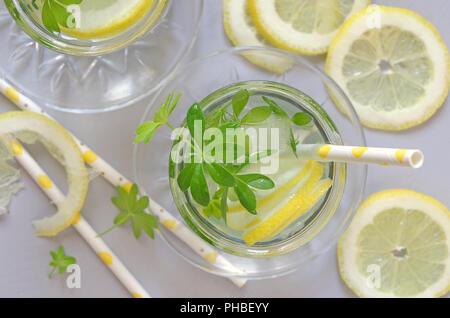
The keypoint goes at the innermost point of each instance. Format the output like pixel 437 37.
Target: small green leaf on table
pixel 60 261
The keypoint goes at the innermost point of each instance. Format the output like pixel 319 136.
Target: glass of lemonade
pixel 86 27
pixel 301 191
pixel 307 205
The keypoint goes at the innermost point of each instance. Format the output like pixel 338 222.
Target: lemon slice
pixel 61 143
pixel 239 219
pixel 241 31
pixel 108 17
pixel 305 199
pixel 289 176
pixel 393 65
pixel 302 26
pixel 398 245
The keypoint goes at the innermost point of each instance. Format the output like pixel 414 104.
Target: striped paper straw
pixel 117 179
pixel 411 158
pixel 80 224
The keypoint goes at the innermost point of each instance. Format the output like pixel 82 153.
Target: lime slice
pixel 306 197
pixel 64 148
pixel 241 31
pixel 302 26
pixel 393 65
pixel 397 246
pixel 109 17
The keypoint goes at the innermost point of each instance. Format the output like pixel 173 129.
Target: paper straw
pixel 117 179
pixel 411 158
pixel 80 224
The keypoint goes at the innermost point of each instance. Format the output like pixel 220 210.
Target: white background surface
pixel 24 258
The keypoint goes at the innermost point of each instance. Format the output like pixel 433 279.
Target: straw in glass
pixel 411 158
pixel 80 224
pixel 117 179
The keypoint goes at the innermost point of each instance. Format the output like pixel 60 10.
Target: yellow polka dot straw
pixel 411 158
pixel 117 179
pixel 80 224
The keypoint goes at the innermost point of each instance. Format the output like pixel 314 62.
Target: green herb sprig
pixel 60 261
pixel 193 178
pixel 131 209
pixel 193 175
pixel 227 176
pixel 55 14
pixel 239 101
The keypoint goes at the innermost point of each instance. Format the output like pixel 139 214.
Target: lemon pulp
pixel 393 65
pixel 397 246
pixel 302 26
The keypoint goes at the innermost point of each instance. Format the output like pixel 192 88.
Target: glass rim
pixel 236 49
pixel 358 193
pixel 38 33
pixel 224 242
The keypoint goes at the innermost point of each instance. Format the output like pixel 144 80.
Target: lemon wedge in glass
pixel 31 127
pixel 294 197
pixel 290 177
pixel 393 65
pixel 302 26
pixel 398 245
pixel 310 192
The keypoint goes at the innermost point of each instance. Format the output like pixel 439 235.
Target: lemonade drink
pixel 300 187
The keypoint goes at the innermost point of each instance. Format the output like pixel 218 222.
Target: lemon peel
pixel 56 137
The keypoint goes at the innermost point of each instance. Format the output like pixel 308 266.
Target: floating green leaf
pixel 48 18
pixel 55 13
pixel 293 142
pixel 196 120
pixel 257 181
pixel 301 119
pixel 199 187
pixel 275 107
pixel 246 196
pixel 220 175
pixel 185 177
pixel 257 115
pixel 240 100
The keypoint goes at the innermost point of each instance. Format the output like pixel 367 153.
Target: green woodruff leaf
pixel 257 115
pixel 192 176
pixel 301 119
pixel 55 13
pixel 239 101
pixel 146 131
pixel 131 208
pixel 60 261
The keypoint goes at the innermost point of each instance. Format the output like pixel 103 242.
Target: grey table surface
pixel 24 258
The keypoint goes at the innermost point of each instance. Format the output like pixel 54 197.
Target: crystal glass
pixel 28 15
pixel 99 83
pixel 225 72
